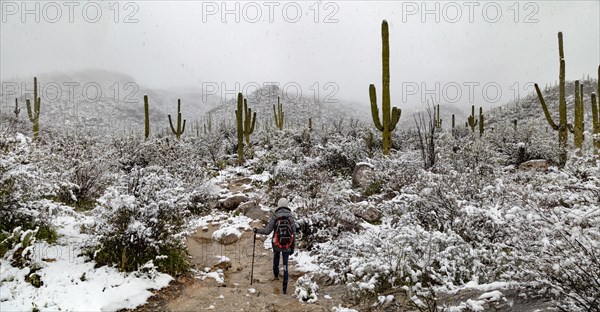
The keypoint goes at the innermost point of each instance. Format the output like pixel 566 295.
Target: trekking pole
pixel 253 248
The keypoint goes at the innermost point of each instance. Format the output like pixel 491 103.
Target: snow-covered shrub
pixel 325 218
pixel 560 238
pixel 306 289
pixel 341 157
pixel 22 189
pixel 17 247
pixel 141 220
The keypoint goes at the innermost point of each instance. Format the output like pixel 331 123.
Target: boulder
pixel 370 214
pixel 253 211
pixel 535 164
pixel 361 175
pixel 227 236
pixel 232 202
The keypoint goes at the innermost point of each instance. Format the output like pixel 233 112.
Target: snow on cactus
pixel 306 289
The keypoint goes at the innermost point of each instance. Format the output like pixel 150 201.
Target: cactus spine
pixel 147 118
pixel 17 109
pixel 179 131
pixel 34 116
pixel 390 116
pixel 278 115
pixel 596 115
pixel 577 128
pixel 561 127
pixel 472 121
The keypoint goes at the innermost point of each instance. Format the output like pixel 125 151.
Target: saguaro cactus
pixel 249 121
pixel 577 127
pixel 34 116
pixel 561 127
pixel 453 121
pixel 17 109
pixel 481 121
pixel 278 115
pixel 240 129
pixel 472 121
pixel 596 116
pixel 179 131
pixel 390 116
pixel 437 119
pixel 146 118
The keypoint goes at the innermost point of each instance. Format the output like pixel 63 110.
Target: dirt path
pixel 192 293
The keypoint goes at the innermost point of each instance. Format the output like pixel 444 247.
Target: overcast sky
pixel 187 43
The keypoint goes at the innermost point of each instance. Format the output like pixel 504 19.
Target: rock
pixel 361 176
pixel 227 236
pixel 370 214
pixel 232 202
pixel 535 164
pixel 253 211
pixel 232 162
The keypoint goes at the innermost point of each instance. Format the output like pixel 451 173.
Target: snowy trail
pixel 236 293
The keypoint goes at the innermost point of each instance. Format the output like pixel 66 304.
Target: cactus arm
pixel 183 128
pixel 171 124
pixel 29 113
pixel 253 123
pixel 396 113
pixel 545 108
pixel 375 108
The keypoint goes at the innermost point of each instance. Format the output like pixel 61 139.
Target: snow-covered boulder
pixel 232 202
pixel 362 174
pixel 227 235
pixel 535 164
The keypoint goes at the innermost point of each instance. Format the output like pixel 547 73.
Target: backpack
pixel 283 236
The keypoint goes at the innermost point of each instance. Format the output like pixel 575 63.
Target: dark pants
pixel 286 256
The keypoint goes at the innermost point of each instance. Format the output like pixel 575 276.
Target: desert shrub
pixel 22 192
pixel 142 220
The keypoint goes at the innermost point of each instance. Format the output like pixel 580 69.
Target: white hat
pixel 283 202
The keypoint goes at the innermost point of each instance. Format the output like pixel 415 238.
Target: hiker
pixel 284 227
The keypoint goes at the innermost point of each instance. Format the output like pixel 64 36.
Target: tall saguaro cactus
pixel 390 116
pixel 437 119
pixel 481 121
pixel 596 115
pixel 179 131
pixel 240 129
pixel 278 115
pixel 34 116
pixel 17 109
pixel 472 121
pixel 146 118
pixel 561 127
pixel 577 127
pixel 249 122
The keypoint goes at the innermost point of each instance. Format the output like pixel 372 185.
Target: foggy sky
pixel 177 44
